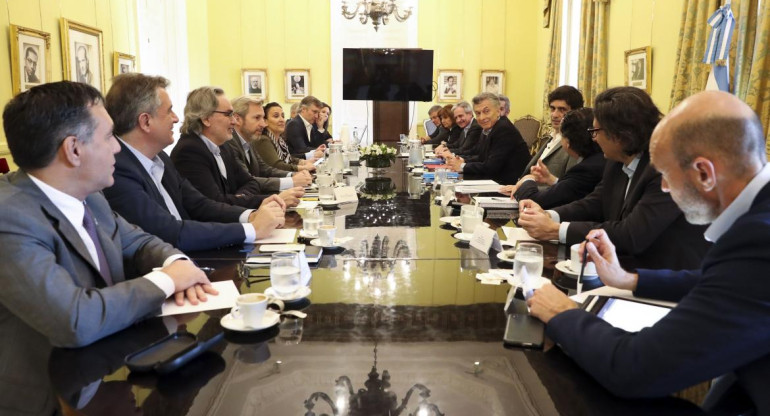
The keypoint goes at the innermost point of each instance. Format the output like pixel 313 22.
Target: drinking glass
pixel 528 256
pixel 471 217
pixel 325 193
pixel 311 221
pixel 285 272
pixel 441 174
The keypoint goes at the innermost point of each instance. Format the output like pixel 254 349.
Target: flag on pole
pixel 722 23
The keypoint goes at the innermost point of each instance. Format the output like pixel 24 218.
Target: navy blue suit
pixel 576 183
pixel 721 324
pixel 296 137
pixel 205 223
pixel 502 155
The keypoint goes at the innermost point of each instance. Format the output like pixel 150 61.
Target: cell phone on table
pixel 523 330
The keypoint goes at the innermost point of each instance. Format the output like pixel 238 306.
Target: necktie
pixel 90 225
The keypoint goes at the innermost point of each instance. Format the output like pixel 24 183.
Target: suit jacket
pixel 558 161
pixel 647 227
pixel 720 325
pixel 453 137
pixel 266 175
pixel 205 223
pixel 266 150
pixel 296 137
pixel 53 294
pixel 439 135
pixel 470 143
pixel 319 138
pixel 196 163
pixel 576 183
pixel 502 155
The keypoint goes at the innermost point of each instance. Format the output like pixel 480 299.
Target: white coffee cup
pixel 574 262
pixel 428 148
pixel 250 308
pixel 471 217
pixel 326 235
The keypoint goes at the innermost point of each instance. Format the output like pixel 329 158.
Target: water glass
pixel 441 175
pixel 471 217
pixel 311 221
pixel 529 256
pixel 325 193
pixel 285 272
pixel 324 179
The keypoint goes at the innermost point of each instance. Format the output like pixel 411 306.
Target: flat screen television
pixel 387 74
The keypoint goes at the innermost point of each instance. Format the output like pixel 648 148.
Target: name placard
pixel 345 194
pixel 484 238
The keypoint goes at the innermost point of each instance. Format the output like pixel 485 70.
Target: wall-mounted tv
pixel 387 74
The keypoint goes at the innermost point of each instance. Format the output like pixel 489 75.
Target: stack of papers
pixel 496 202
pixel 477 186
pixel 279 236
pixel 225 299
pixel 516 234
pixel 432 162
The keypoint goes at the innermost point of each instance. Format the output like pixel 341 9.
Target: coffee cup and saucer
pixel 572 266
pixel 251 314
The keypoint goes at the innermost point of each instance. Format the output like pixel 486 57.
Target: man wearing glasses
pixel 645 224
pixel 210 167
pixel 30 66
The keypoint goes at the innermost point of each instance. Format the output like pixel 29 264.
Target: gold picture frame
pixel 81 45
pixel 450 85
pixel 638 68
pixel 492 80
pixel 297 84
pixel 254 82
pixel 123 63
pixel 30 58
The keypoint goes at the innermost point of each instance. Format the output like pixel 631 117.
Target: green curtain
pixel 758 89
pixel 592 66
pixel 691 74
pixel 554 55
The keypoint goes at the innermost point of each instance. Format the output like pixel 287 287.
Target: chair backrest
pixel 429 126
pixel 529 127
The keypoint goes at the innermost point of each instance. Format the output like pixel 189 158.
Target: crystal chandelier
pixel 378 11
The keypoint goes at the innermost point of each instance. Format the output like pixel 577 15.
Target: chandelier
pixel 378 11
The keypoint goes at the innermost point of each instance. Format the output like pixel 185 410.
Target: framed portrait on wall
pixel 123 63
pixel 297 84
pixel 492 81
pixel 254 82
pixel 450 85
pixel 639 68
pixel 30 58
pixel 82 60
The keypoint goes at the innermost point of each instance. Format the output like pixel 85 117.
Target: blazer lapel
pixel 109 242
pixel 149 182
pixel 633 193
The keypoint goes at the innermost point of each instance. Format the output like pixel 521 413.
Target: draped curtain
pixel 744 40
pixel 554 54
pixel 758 89
pixel 592 66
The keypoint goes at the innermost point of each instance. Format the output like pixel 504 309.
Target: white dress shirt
pixel 217 152
pixel 309 129
pixel 739 206
pixel 155 168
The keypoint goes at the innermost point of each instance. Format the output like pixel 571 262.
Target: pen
pixel 582 269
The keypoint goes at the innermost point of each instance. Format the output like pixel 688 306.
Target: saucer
pixel 269 319
pixel 456 223
pixel 564 267
pixel 327 203
pixel 448 220
pixel 317 242
pixel 503 256
pixel 462 236
pixel 301 293
pixel 304 234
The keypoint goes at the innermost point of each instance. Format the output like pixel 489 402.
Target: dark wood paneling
pixel 390 120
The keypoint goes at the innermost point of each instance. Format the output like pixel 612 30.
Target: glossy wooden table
pixel 410 326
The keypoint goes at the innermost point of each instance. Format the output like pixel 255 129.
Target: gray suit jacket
pixel 266 175
pixel 52 291
pixel 557 162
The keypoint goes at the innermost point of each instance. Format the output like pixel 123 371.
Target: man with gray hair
pixel 440 133
pixel 300 130
pixel 149 192
pixel 502 152
pixel 470 130
pixel 249 123
pixel 199 156
pixel 505 105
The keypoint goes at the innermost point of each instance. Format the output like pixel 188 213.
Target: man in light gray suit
pixel 249 123
pixel 64 251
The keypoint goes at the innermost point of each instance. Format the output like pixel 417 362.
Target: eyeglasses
pixel 594 132
pixel 230 113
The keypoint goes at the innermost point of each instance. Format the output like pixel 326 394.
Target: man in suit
pixel 30 65
pixel 300 131
pixel 210 167
pixel 149 192
pixel 505 105
pixel 552 157
pixel 249 123
pixel 711 152
pixel 73 271
pixel 503 152
pixel 470 132
pixel 440 133
pixel 643 221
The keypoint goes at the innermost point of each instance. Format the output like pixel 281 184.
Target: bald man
pixel 710 152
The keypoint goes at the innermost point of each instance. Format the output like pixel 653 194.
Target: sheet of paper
pixel 620 293
pixel 484 238
pixel 225 299
pixel 465 189
pixel 266 248
pixel 279 236
pixel 479 182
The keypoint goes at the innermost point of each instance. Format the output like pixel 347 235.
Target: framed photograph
pixel 30 58
pixel 297 84
pixel 639 68
pixel 123 63
pixel 492 81
pixel 254 82
pixel 82 48
pixel 450 85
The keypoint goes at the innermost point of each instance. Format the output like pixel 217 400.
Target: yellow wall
pixel 115 18
pixel 227 36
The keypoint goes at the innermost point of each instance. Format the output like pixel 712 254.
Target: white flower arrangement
pixel 378 155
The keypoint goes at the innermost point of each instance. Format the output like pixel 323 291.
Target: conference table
pixel 397 328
